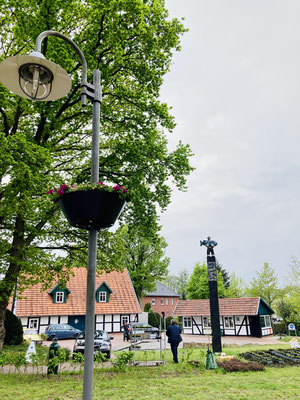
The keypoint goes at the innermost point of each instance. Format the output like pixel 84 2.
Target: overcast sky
pixel 235 94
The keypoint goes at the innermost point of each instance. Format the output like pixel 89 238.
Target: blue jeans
pixel 174 347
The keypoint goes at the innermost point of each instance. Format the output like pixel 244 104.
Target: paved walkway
pixel 118 344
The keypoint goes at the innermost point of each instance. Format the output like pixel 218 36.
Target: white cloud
pixel 235 93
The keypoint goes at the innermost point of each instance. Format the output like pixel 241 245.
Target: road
pixel 118 343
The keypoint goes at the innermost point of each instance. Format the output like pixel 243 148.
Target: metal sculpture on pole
pixel 213 294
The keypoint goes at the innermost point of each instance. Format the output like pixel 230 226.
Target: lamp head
pixel 34 77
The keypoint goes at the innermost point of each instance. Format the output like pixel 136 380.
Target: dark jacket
pixel 173 333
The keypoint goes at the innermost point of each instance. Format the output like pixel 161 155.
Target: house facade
pixel 115 303
pixel 162 300
pixel 238 317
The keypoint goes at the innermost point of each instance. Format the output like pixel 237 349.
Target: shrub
pixel 155 319
pixel 168 321
pixel 122 360
pixel 147 307
pixel 279 327
pixel 13 329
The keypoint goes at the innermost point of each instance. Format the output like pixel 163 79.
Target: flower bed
pixel 238 365
pixel 280 357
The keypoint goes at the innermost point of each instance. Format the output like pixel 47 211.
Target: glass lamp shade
pixel 34 77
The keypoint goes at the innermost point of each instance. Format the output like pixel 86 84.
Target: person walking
pixel 174 338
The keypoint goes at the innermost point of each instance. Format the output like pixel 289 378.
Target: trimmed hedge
pixel 168 321
pixel 282 328
pixel 279 327
pixel 13 329
pixel 154 319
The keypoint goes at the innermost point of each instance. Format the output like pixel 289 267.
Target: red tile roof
pixel 240 306
pixel 122 300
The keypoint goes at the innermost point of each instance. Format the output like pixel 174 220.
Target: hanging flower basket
pixel 90 207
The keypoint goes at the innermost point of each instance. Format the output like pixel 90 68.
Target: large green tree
pixel 44 144
pixel 178 283
pixel 198 287
pixel 236 287
pixel 265 284
pixel 288 305
pixel 144 257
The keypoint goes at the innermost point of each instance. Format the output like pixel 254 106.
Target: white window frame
pixel 33 323
pixel 228 322
pixel 267 321
pixel 162 302
pixel 167 302
pixel 124 320
pixel 206 322
pixel 187 322
pixel 172 302
pixel 102 297
pixel 59 297
pixel 153 302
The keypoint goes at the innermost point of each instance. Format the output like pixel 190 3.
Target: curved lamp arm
pixel 87 90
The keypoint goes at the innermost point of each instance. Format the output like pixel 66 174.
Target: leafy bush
pixel 155 319
pixel 147 307
pixel 13 329
pixel 122 360
pixel 168 321
pixel 279 327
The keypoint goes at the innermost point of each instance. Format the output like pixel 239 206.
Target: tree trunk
pixel 7 285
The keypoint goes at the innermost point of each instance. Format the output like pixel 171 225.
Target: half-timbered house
pixel 238 317
pixel 115 303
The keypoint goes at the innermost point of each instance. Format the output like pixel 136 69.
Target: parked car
pixel 137 327
pixel 102 343
pixel 61 331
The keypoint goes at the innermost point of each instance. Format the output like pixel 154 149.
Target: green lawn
pixel 171 382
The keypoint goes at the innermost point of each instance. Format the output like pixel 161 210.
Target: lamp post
pixel 213 294
pixel 34 77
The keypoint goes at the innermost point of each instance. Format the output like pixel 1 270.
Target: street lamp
pixel 213 294
pixel 34 77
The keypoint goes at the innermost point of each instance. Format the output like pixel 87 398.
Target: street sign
pixel 292 327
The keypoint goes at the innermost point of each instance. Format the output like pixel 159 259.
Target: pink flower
pixel 50 191
pixel 60 192
pixel 64 187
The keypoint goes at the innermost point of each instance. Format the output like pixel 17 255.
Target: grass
pixel 173 381
pixel 288 338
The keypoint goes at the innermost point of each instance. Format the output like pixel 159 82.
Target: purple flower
pixel 50 191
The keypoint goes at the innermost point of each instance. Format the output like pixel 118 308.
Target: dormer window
pixel 102 293
pixel 59 294
pixel 102 297
pixel 59 297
